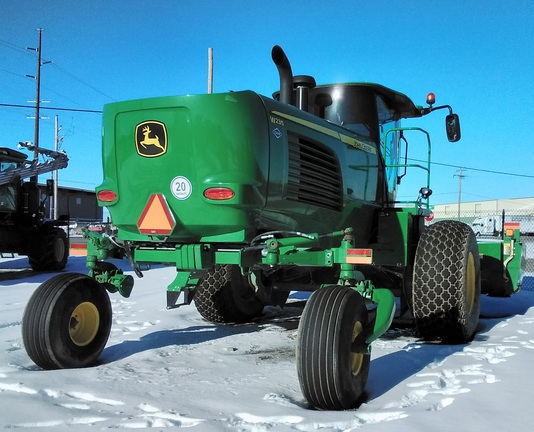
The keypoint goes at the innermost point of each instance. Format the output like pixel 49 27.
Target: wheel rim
pixel 471 282
pixel 356 359
pixel 83 324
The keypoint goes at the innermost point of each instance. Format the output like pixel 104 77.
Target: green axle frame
pixel 191 260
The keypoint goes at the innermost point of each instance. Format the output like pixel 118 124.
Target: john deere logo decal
pixel 151 139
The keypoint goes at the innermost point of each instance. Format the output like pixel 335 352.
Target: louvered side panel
pixel 314 175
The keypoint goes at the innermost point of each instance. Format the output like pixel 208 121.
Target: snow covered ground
pixel 170 369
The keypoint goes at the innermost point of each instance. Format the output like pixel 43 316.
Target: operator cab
pixel 369 110
pixel 10 160
pixel 361 107
pixel 9 157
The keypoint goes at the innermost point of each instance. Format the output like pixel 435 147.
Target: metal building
pixel 78 204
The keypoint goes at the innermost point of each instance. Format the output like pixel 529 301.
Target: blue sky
pixel 475 55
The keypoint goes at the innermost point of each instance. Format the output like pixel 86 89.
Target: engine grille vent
pixel 314 175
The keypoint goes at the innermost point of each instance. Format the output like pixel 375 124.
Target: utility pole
pixel 57 141
pixel 460 177
pixel 37 96
pixel 210 70
pixel 37 91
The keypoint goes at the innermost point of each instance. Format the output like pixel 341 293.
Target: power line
pixel 14 47
pixel 49 90
pixel 52 108
pixel 82 82
pixel 475 169
pixel 74 77
pixel 13 73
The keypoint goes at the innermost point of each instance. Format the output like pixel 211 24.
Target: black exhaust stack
pixel 286 74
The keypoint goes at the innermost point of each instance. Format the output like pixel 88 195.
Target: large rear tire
pixel 224 296
pixel 331 376
pixel 50 249
pixel 67 322
pixel 446 283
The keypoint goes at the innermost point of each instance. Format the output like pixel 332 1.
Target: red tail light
pixel 106 196
pixel 219 193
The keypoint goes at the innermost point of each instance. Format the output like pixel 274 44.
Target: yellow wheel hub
pixel 356 359
pixel 471 282
pixel 84 323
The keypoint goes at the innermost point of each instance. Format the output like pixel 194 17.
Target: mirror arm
pixel 429 109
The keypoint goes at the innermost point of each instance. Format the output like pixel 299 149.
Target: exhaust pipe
pixel 286 75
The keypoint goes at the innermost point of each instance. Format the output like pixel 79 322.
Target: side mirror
pixel 452 125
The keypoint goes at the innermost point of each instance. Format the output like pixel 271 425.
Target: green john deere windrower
pixel 252 197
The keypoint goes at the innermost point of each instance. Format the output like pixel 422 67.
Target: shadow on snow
pixel 388 371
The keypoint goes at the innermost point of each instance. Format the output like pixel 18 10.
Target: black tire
pixel 50 249
pixel 224 296
pixel 331 376
pixel 67 322
pixel 493 282
pixel 446 283
pixel 265 292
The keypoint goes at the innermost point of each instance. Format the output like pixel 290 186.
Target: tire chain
pixel 438 273
pixel 209 300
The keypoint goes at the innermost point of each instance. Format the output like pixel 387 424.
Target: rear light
pixel 219 193
pixel 106 196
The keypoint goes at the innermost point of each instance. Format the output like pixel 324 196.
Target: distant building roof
pixel 524 205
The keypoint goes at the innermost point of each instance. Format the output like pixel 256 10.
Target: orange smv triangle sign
pixel 156 217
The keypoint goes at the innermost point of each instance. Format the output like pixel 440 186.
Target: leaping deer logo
pixel 151 139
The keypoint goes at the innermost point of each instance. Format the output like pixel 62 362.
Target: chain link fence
pixel 75 229
pixel 488 225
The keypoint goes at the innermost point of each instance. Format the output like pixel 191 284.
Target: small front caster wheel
pixel 67 322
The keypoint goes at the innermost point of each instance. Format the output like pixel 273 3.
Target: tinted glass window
pixel 352 107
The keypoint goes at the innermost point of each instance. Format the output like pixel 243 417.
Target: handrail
pixel 420 202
